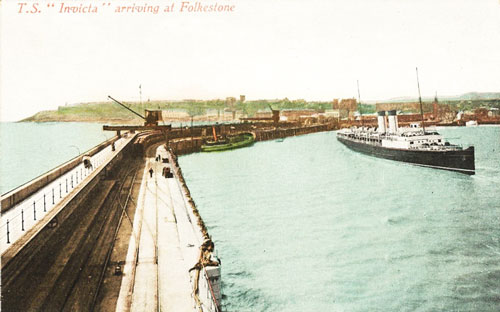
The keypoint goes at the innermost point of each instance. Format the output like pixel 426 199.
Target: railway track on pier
pixel 147 254
pixel 67 272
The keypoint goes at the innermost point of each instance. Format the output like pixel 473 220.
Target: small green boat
pixel 228 143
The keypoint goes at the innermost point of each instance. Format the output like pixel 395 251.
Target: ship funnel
pixel 381 122
pixel 393 121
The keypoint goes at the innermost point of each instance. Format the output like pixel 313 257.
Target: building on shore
pixel 346 107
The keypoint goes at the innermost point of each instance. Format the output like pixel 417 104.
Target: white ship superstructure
pixel 411 144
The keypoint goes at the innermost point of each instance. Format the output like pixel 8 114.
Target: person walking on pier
pixel 167 173
pixel 151 172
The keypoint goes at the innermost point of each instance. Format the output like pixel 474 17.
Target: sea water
pixel 309 225
pixel 29 149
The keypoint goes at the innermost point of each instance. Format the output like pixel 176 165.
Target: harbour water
pixel 308 225
pixel 29 149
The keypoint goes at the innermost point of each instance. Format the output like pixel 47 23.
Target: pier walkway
pixel 164 246
pixel 66 248
pixel 37 208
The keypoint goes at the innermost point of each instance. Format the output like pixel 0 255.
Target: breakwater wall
pixel 207 287
pixel 272 134
pixel 186 141
pixel 17 195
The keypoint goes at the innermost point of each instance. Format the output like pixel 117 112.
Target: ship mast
pixel 420 100
pixel 140 96
pixel 359 101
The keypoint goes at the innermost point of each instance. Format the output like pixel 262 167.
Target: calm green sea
pixel 308 225
pixel 29 149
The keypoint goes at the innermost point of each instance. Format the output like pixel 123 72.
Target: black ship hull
pixel 454 160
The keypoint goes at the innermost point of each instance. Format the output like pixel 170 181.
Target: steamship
pixel 413 145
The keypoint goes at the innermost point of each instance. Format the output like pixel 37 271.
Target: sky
pixel 265 49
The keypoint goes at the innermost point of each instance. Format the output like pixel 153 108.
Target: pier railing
pixel 20 193
pixel 22 216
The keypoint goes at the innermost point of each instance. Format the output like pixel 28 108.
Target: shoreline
pixel 121 121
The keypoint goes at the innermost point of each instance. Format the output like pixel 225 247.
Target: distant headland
pixel 232 108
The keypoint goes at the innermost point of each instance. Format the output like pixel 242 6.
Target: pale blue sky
pixel 315 50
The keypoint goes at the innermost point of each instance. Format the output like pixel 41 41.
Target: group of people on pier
pixel 166 172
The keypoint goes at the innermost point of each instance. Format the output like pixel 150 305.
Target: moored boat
pixel 228 142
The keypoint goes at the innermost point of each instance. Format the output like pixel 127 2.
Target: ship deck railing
pixel 437 148
pixel 374 142
pixel 378 142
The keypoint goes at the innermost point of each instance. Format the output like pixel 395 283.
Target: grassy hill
pixel 109 112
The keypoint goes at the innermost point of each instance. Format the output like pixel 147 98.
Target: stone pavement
pixel 168 246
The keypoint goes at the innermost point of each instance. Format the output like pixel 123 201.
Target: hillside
pixel 113 113
pixel 109 112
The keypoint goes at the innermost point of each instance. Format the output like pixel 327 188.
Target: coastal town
pixel 457 111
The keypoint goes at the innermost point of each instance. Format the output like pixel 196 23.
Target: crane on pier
pixel 276 114
pixel 151 118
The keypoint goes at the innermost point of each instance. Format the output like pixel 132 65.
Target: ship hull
pixel 453 160
pixel 245 139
